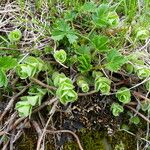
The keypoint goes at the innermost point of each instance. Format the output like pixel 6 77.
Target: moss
pixel 27 142
pixel 123 141
pixel 99 140
pixel 91 140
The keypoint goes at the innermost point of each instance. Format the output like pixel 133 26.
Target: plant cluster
pixel 86 54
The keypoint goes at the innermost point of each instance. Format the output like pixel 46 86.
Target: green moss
pixel 27 142
pixel 122 141
pixel 99 140
pixel 91 140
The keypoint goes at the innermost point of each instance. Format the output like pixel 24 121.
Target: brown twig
pixel 10 104
pixel 141 96
pixel 44 130
pixel 49 102
pixel 67 131
pixel 141 115
pixel 88 93
pixel 43 84
pixel 37 128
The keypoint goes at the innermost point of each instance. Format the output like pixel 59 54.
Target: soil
pixel 91 119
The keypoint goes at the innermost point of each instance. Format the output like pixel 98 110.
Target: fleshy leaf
pixel 124 95
pixel 102 84
pixel 82 83
pixel 60 56
pixel 116 109
pixel 15 35
pixel 24 108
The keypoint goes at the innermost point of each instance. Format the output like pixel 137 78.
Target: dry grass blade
pixel 66 131
pixel 10 104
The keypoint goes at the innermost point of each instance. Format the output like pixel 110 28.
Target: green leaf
pixel 102 84
pixel 24 108
pixel 36 94
pixel 32 100
pixel 135 58
pixel 15 35
pixel 84 63
pixel 113 19
pixel 66 96
pixel 142 34
pixel 70 15
pixel 60 56
pixel 96 74
pixel 3 79
pixel 61 30
pixel 7 62
pixel 30 67
pixel 115 61
pixel 124 95
pixel 100 17
pixel 83 49
pixel 36 62
pixel 58 35
pixel 142 72
pixel 147 86
pixel 82 83
pixel 72 37
pixel 116 109
pixel 24 71
pixel 88 7
pixel 48 49
pixel 135 120
pixel 125 127
pixel 100 43
pixel 58 79
pixel 146 106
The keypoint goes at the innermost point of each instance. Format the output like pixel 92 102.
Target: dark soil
pixel 90 118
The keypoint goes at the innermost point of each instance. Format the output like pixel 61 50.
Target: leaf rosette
pixel 66 94
pixel 147 86
pixel 116 109
pixel 15 35
pixel 123 95
pixel 129 68
pixel 142 34
pixel 58 79
pixel 30 67
pixel 143 72
pixel 24 108
pixel 36 62
pixel 65 91
pixel 24 71
pixel 81 82
pixel 113 19
pixel 60 56
pixel 102 84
